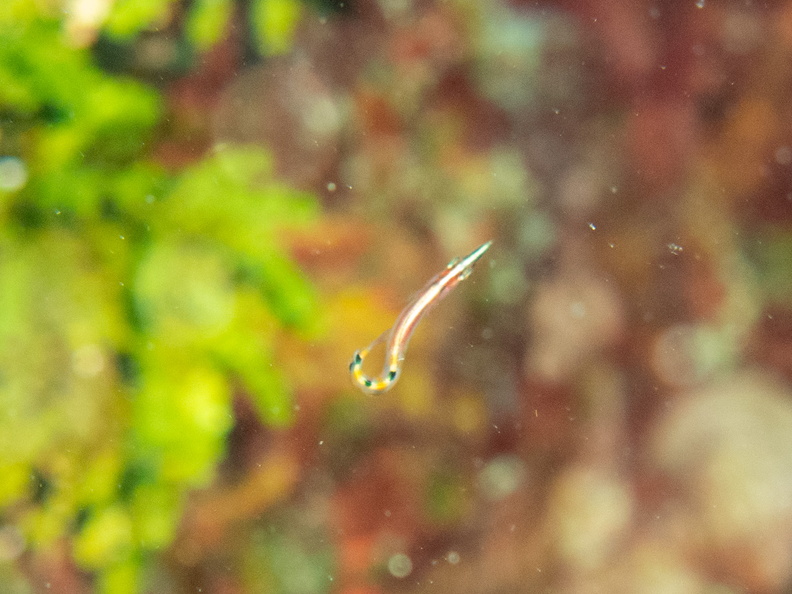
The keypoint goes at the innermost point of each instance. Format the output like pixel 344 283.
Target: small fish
pixel 399 335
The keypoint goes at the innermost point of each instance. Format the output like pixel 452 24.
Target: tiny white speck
pixel 331 187
pixel 699 3
pixel 453 557
pixel 592 226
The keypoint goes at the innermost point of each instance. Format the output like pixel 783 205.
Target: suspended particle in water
pixel 501 477
pixel 783 155
pixel 400 565
pixel 13 174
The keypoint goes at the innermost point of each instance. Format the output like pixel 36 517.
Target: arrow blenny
pixel 399 335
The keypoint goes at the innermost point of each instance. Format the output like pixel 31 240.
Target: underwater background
pixel 207 206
